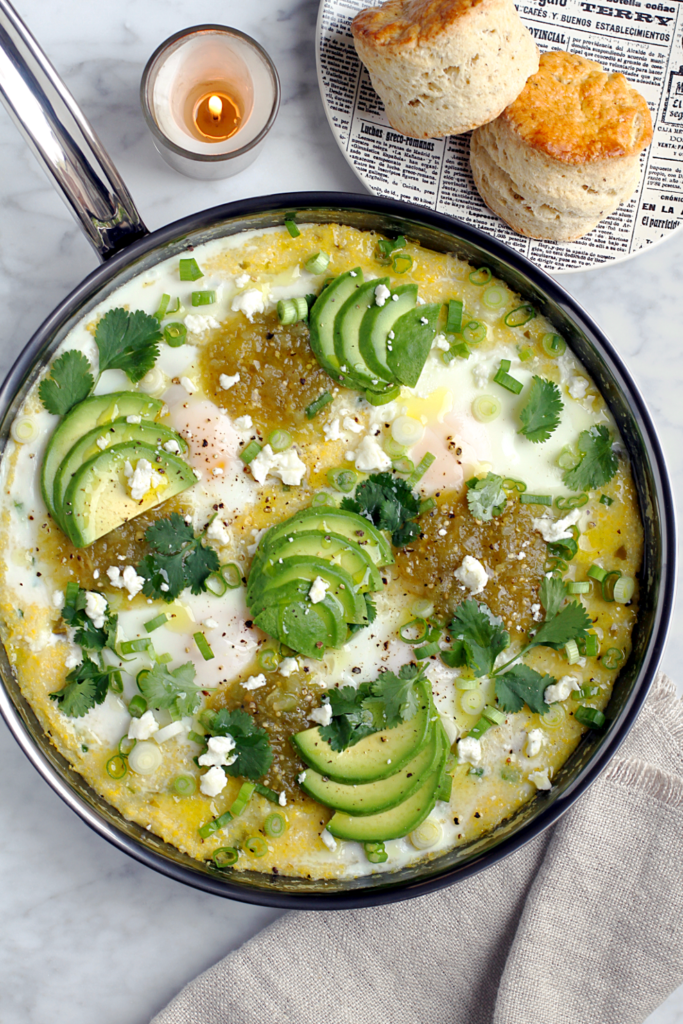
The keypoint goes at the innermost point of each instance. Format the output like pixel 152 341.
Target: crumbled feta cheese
pixel 318 590
pixel 287 465
pixel 255 682
pixel 578 387
pixel 128 579
pixel 421 301
pixel 102 442
pixel 536 613
pixel 219 752
pixel 441 342
pixel 382 293
pixel 211 624
pixel 189 385
pixel 249 302
pixel 469 751
pixel 287 666
pixel 73 659
pixel 227 382
pixel 96 574
pixel 301 777
pixel 242 280
pixel 329 840
pixel 424 321
pixel 58 599
pixel 540 779
pixel 534 741
pixel 244 422
pixel 133 419
pixel 199 323
pixel 553 530
pixel 370 457
pixel 282 799
pixel 96 608
pixel 394 298
pixel 322 715
pixel 472 574
pixel 350 424
pixel 442 532
pixel 213 782
pixel 217 531
pixel 561 690
pixel 144 727
pixel 480 375
pixel 332 430
pixel 141 479
pixel 172 447
pixel 391 335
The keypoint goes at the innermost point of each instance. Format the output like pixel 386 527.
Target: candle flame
pixel 215 106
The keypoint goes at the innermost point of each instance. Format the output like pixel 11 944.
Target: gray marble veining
pixel 88 934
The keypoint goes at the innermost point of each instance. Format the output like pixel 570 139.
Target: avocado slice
pixel 334 548
pixel 396 822
pixel 374 757
pixel 84 417
pixel 98 499
pixel 333 520
pixel 375 327
pixel 310 628
pixel 374 797
pixel 413 336
pixel 307 567
pixel 115 432
pixel 346 336
pixel 297 593
pixel 322 316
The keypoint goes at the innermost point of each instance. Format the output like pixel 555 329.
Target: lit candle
pixel 209 95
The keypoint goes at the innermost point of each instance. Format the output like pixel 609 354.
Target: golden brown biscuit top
pixel 408 22
pixel 575 112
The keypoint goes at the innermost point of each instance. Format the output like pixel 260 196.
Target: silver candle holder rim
pixel 164 139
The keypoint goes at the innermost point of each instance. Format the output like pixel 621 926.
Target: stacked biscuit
pixel 557 143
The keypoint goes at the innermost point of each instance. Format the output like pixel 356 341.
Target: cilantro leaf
pixel 397 695
pixel 126 341
pixel 171 689
pixel 552 594
pixel 598 462
pixel 541 414
pixel 252 746
pixel 486 497
pixel 351 721
pixel 70 382
pixel 569 624
pixel 86 686
pixel 389 503
pixel 178 559
pixel 479 638
pixel 87 635
pixel 522 685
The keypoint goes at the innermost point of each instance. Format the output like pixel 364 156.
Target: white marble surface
pixel 88 934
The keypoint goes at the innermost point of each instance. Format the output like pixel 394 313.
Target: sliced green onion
pixel 319 403
pixel 203 645
pixel 520 316
pixel 215 584
pixel 525 354
pixel 606 500
pixel 454 317
pixel 116 682
pixel 445 788
pixel 535 499
pixel 24 429
pixel 553 345
pixel 418 623
pixel 382 397
pixel 274 825
pixel 268 659
pixel 589 644
pixel 557 566
pixel 472 702
pixel 510 484
pixel 163 659
pixel 463 683
pixel 318 263
pixel 474 332
pixel 204 298
pixel 175 334
pixel 428 651
pixel 623 589
pixel 591 717
pixel 456 350
pixel 571 649
pixel 386 247
pixel 401 262
pixel 184 785
pixel 480 727
pixel 322 498
pixel 280 440
pixel 225 856
pixel 292 228
pixel 125 746
pixel 269 794
pixel 257 846
pixel 249 453
pixel 196 737
pixel 342 479
pixel 117 767
pixel 554 716
pixel 493 714
pixel 137 706
pixel 426 505
pixel 403 465
pixel 135 646
pixel 596 572
pixel 407 430
pixel 476 771
pixel 393 449
pixel 242 799
pixel 145 758
pixel 568 459
pixel 608 583
pixel 163 306
pixel 612 658
pixel 582 587
pixel 71 592
pixel 189 270
pixel 571 501
pixel 590 691
pixel 503 378
pixel 486 408
pixel 426 835
pixel 481 276
pixel 375 852
pixel 232 574
pixel 494 296
pixel 290 311
pixel 421 468
pixel 422 608
pixel 156 622
pixel 215 825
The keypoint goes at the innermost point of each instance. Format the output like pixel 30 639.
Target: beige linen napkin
pixel 584 925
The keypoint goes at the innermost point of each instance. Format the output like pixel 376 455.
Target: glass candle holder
pixel 209 95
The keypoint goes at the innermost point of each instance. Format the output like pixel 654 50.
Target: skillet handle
pixel 68 149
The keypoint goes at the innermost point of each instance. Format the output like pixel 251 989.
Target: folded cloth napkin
pixel 584 925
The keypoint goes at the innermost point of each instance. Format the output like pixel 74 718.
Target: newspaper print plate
pixel 643 40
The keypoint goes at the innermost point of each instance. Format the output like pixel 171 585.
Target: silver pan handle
pixel 68 149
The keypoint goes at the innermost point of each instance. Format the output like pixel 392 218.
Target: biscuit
pixel 565 153
pixel 443 67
